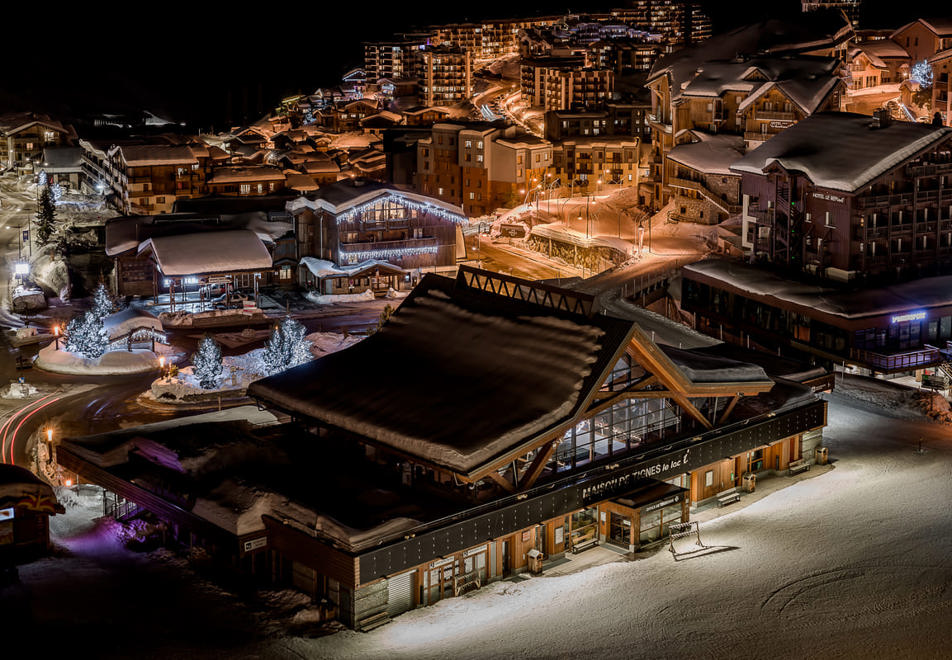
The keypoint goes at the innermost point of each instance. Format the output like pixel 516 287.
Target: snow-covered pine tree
pixel 299 348
pixel 207 363
pixel 45 217
pixel 102 303
pixel 286 347
pixel 87 336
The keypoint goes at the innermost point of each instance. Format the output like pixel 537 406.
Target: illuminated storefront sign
pixel 912 316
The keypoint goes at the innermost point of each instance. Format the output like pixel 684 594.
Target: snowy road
pixel 853 563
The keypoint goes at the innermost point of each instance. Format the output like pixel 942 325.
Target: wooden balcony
pixel 775 115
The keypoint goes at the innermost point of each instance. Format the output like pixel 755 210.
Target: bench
pixel 584 542
pixel 726 497
pixel 798 466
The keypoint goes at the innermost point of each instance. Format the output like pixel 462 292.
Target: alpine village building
pixel 571 428
pixel 847 224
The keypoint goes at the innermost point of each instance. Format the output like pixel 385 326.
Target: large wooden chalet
pixel 493 419
pixel 358 220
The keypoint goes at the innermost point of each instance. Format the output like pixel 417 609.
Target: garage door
pixel 400 588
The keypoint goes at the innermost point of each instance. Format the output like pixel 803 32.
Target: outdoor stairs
pixel 945 363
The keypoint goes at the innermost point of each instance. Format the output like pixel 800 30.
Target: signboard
pixel 26 235
pixel 781 123
pixel 829 198
pixel 654 506
pixel 559 535
pixel 6 514
pixel 254 544
pixel 657 469
pixel 912 316
pixel 512 230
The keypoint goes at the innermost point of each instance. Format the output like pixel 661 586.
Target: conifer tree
pixel 45 217
pixel 287 347
pixel 87 336
pixel 207 363
pixel 102 303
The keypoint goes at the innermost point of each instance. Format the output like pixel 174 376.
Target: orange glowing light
pixel 49 435
pixel 69 482
pixel 161 361
pixel 56 330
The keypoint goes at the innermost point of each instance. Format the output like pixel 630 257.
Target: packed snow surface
pixel 113 363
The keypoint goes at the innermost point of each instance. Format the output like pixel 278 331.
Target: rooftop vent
pixel 881 119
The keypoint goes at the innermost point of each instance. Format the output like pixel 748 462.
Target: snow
pixel 131 318
pixel 18 391
pixel 185 388
pixel 208 252
pixel 322 268
pixel 712 154
pixel 922 293
pixel 332 298
pixel 112 363
pixel 839 150
pixel 325 343
pixel 540 361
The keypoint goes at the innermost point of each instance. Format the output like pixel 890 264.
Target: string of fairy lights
pixel 424 207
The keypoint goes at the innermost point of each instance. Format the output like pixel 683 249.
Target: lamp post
pixel 162 365
pixel 56 335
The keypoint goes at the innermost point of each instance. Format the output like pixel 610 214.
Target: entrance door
pixel 506 559
pixel 619 529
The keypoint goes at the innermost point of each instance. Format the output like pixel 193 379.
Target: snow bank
pixel 27 299
pixel 185 388
pixel 330 299
pixel 113 363
pixel 18 391
pixel 325 343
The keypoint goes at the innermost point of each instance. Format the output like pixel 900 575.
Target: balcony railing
pixel 410 243
pixel 776 115
pixel 722 203
pixel 896 361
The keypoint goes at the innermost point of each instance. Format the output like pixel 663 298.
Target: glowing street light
pixel 56 335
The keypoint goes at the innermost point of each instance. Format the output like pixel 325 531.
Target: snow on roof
pixel 339 197
pixel 777 35
pixel 941 26
pixel 300 182
pixel 323 268
pixel 239 174
pixel 17 483
pixel 59 159
pixel 840 151
pixel 141 155
pixel 529 368
pixel 706 368
pixel 711 154
pixel 877 50
pixel 916 294
pixel 208 252
pixel 129 319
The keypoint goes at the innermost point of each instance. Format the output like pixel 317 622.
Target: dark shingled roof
pixel 458 376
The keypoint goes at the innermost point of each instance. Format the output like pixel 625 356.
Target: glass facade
pixel 626 425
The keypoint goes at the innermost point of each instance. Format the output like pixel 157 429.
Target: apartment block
pixel 563 83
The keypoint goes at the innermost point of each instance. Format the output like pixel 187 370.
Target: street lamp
pixel 56 334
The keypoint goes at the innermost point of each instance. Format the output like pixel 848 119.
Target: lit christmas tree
pixel 207 363
pixel 102 303
pixel 86 336
pixel 286 347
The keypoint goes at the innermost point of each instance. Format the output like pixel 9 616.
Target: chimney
pixel 881 118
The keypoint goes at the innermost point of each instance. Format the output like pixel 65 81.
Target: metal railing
pixel 927 356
